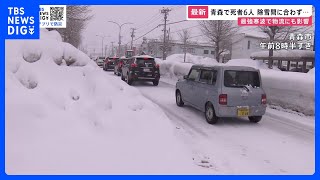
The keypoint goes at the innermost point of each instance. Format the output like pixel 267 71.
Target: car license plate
pixel 243 112
pixel 146 70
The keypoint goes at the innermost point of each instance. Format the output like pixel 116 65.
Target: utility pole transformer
pixel 132 36
pixel 165 11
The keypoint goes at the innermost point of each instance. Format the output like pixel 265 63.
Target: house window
pixel 249 44
pixel 212 52
pixel 206 52
pixel 191 50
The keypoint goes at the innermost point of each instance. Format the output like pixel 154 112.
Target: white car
pixel 100 61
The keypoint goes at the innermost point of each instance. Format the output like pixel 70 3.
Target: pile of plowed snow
pixel 64 115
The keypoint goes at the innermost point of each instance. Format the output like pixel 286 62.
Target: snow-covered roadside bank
pixel 64 115
pixel 289 90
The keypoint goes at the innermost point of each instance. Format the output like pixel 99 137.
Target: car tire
pixel 179 101
pixel 129 81
pixel 255 119
pixel 119 74
pixel 210 114
pixel 155 82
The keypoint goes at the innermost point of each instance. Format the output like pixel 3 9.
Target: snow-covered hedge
pixel 284 53
pixel 174 66
pixel 290 90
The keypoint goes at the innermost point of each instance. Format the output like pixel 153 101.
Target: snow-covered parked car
pixel 223 91
pixel 100 61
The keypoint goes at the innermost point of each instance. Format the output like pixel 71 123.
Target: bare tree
pixel 185 38
pixel 278 34
pixel 77 19
pixel 169 41
pixel 220 33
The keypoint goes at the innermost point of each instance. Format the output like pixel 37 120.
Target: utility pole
pixel 102 38
pixel 165 11
pixel 132 36
pixel 105 50
pixel 120 26
pixel 112 48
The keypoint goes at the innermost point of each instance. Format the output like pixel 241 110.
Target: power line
pixel 175 22
pixel 181 30
pixel 149 21
pixel 154 29
pixel 197 36
pixel 145 33
pixel 145 24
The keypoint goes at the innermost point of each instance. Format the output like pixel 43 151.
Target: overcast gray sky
pixel 144 18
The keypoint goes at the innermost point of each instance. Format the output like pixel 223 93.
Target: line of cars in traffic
pixel 218 91
pixel 132 68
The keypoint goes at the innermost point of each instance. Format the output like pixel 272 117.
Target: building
pixel 301 60
pixel 154 47
pixel 246 43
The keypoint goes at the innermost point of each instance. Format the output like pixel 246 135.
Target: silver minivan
pixel 223 91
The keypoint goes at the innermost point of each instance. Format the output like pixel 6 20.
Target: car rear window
pixel 145 62
pixel 234 78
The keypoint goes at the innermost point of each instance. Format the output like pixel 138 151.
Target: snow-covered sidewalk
pixel 64 115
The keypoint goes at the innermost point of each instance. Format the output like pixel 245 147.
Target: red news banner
pixel 252 15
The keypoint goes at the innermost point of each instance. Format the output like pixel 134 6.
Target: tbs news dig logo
pixel 18 23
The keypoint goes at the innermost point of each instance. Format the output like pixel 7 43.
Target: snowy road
pixel 276 145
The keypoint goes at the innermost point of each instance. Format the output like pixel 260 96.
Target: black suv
pixel 141 68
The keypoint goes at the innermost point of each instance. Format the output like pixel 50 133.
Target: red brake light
pixel 157 66
pixel 263 99
pixel 223 99
pixel 133 65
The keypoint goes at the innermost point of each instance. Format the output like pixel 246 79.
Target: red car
pixel 109 63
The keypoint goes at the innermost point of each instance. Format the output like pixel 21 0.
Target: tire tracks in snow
pixel 176 116
pixel 302 128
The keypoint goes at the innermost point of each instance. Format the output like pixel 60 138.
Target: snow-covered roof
pixel 143 56
pixel 288 54
pixel 252 32
pixel 201 44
